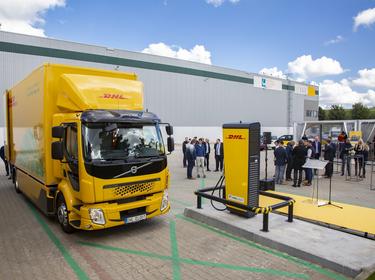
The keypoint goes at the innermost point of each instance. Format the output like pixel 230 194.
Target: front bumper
pixel 116 212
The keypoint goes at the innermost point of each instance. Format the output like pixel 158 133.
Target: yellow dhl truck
pixel 81 147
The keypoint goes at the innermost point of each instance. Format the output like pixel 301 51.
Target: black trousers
pixel 289 167
pixel 297 176
pixel 359 166
pixel 189 169
pixel 329 169
pixel 346 161
pixel 207 161
pixel 219 162
pixel 364 169
pixel 184 161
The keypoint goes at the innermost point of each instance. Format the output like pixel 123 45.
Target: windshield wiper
pixel 109 160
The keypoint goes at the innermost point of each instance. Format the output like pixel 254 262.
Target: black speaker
pixel 267 184
pixel 267 138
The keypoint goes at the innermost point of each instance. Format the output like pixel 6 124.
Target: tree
pixel 336 112
pixel 372 113
pixel 360 111
pixel 322 114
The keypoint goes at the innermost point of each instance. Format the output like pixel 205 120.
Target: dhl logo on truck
pixel 235 136
pixel 113 96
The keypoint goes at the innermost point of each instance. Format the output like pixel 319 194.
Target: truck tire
pixel 15 181
pixel 62 215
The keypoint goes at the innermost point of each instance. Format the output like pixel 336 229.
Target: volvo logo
pixel 134 169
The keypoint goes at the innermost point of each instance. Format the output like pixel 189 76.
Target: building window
pixel 311 113
pixel 288 87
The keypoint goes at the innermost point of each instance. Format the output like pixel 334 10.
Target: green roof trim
pixel 74 55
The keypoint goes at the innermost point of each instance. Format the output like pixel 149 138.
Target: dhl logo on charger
pixel 236 137
pixel 112 96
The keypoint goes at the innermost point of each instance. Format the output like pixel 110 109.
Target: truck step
pixel 76 223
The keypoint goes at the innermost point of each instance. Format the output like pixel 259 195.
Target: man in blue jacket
pixel 200 150
pixel 281 159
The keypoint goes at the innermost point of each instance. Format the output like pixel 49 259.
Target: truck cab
pixel 113 167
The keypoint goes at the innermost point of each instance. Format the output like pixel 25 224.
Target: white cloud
pixel 198 53
pixel 334 93
pixel 335 40
pixel 217 3
pixel 366 78
pixel 366 18
pixel 274 72
pixel 25 17
pixel 304 67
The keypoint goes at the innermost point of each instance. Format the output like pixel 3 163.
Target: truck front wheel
pixel 62 215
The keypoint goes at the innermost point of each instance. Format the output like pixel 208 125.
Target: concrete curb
pixel 260 237
pixel 366 273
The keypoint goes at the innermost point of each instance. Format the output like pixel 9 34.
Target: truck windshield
pixel 119 141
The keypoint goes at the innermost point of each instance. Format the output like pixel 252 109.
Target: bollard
pixel 290 213
pixel 265 222
pixel 199 202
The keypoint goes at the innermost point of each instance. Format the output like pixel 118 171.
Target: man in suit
pixel 299 158
pixel 289 167
pixel 219 155
pixel 317 147
pixel 208 151
pixel 191 156
pixel 184 161
pixel 329 154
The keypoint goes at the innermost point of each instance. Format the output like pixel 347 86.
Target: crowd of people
pixel 289 159
pixel 294 156
pixel 196 153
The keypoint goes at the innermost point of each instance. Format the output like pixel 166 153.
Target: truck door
pixel 71 155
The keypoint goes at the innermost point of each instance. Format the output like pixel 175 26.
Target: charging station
pixel 241 165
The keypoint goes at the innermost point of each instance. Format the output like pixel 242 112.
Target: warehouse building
pixel 196 98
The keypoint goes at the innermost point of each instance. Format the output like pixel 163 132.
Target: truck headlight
pixel 97 216
pixel 164 201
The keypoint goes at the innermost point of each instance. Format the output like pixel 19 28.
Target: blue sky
pixel 248 35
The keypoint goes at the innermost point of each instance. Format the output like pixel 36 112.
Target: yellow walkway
pixel 350 216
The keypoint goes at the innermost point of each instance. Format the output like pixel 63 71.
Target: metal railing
pixel 287 202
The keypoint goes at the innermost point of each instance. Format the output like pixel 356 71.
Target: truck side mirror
pixel 170 143
pixel 58 150
pixel 58 132
pixel 169 129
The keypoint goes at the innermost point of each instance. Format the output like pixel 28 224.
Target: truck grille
pixel 133 189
